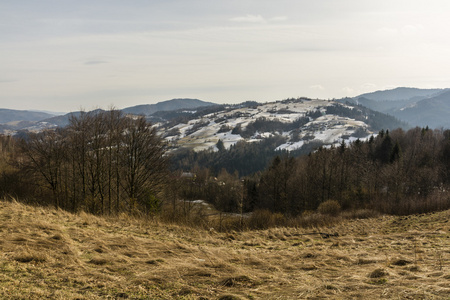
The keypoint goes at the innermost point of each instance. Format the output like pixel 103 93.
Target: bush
pixel 329 207
pixel 263 219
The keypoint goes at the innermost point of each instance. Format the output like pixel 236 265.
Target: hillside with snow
pixel 298 121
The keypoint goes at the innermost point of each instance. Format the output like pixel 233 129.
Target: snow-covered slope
pixel 281 117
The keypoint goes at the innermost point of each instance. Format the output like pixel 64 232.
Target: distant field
pixel 53 254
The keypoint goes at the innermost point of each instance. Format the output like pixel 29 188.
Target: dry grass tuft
pixel 30 256
pixel 154 261
pixel 401 262
pixel 378 273
pixel 362 261
pixel 98 261
pixel 229 297
pixel 235 281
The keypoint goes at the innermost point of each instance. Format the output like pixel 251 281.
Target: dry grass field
pixel 52 254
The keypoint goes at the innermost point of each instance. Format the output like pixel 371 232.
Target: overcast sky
pixel 63 55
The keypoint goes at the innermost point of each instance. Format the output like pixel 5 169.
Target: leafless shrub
pixel 329 207
pixel 263 219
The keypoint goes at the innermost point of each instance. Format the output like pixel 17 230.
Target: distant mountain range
pixel 412 106
pixel 417 107
pixel 401 93
pixel 12 115
pixel 14 120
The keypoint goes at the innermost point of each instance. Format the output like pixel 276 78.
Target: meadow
pixel 53 254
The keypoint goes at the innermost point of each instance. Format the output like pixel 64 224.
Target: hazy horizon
pixel 65 55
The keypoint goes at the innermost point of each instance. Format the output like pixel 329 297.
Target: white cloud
pixel 387 32
pixel 389 87
pixel 258 19
pixel 348 90
pixel 95 62
pixel 279 19
pixel 317 87
pixel 412 30
pixel 7 80
pixel 405 31
pixel 249 19
pixel 368 86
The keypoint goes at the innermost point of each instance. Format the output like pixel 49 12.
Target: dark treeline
pixel 103 162
pixel 243 158
pixel 263 124
pixel 395 172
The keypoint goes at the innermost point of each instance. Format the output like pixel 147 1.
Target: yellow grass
pixel 53 254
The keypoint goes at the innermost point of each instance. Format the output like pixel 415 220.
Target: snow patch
pixel 291 146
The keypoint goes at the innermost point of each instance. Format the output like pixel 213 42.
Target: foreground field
pixel 53 254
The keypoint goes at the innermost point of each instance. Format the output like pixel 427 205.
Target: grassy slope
pixel 53 254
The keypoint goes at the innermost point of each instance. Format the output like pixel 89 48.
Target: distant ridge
pixel 418 107
pixel 12 115
pixel 63 120
pixel 174 104
pixel 400 93
pixel 433 112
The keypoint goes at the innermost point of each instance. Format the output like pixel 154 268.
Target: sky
pixel 65 55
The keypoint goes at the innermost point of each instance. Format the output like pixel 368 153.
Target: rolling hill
pixel 298 121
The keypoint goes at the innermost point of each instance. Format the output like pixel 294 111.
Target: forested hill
pixel 297 121
pixel 246 137
pixel 169 105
